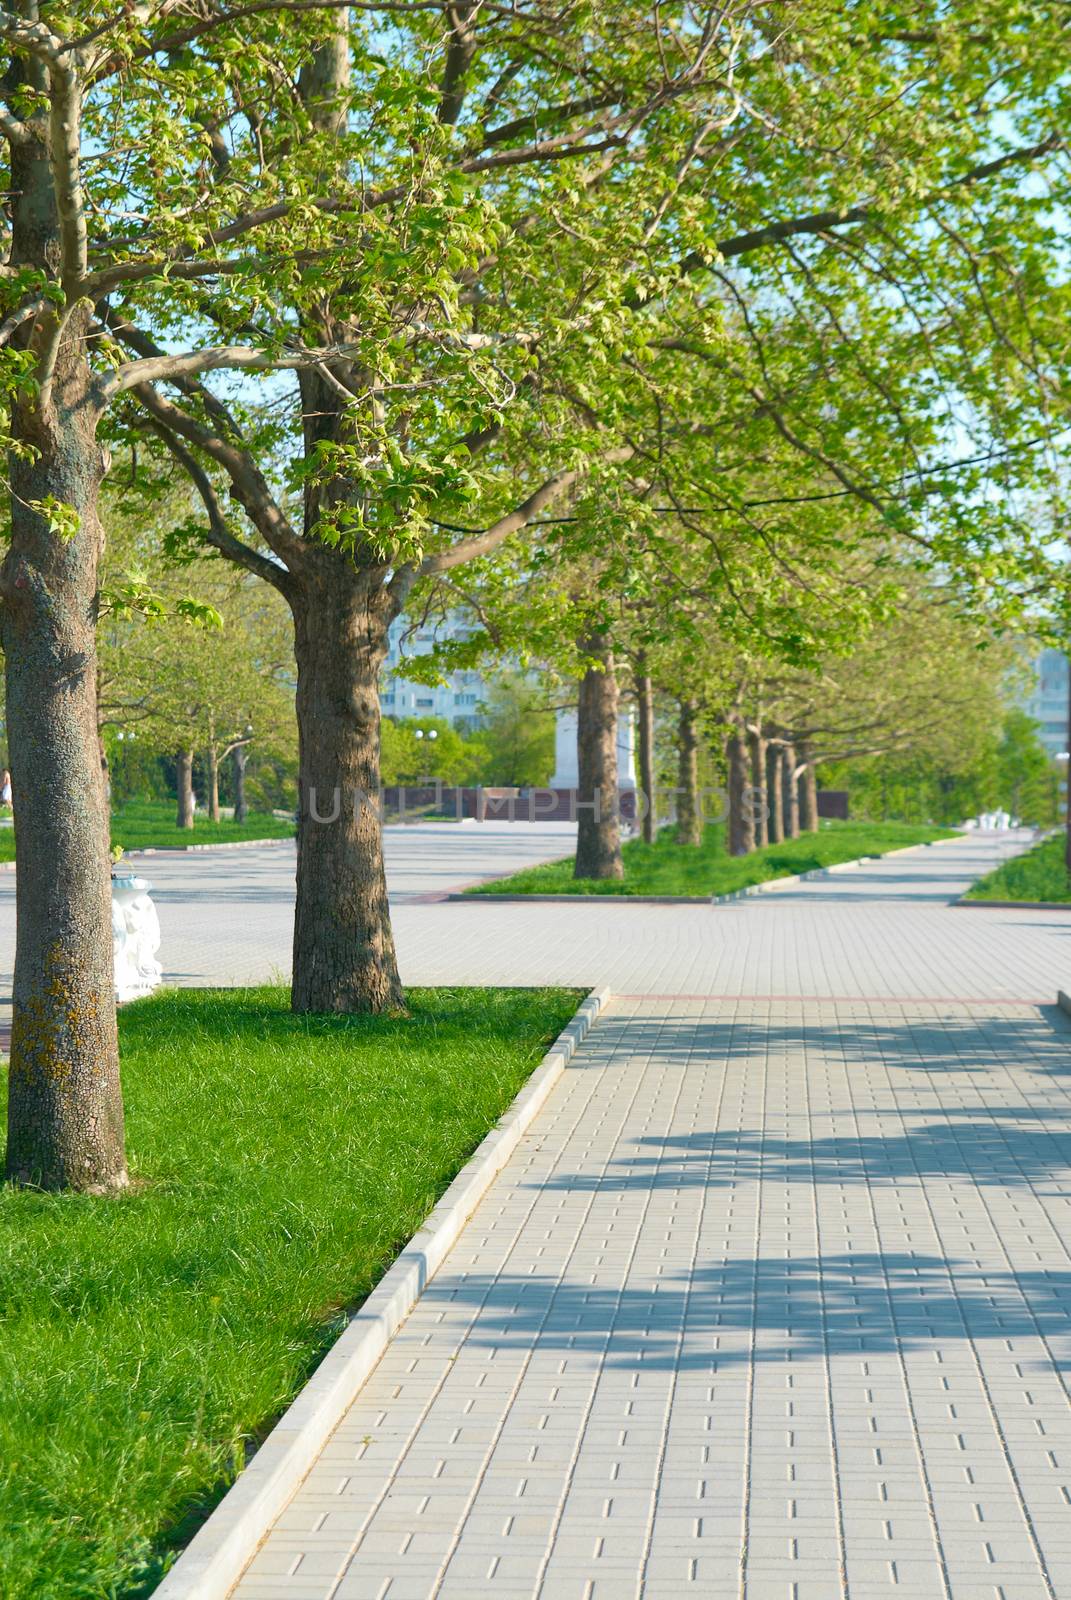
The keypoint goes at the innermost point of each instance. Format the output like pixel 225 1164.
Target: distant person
pixel 5 787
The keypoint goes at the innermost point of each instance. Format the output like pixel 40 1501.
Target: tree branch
pixel 481 544
pixel 249 485
pixel 11 129
pixel 219 535
pixel 459 54
pixel 20 315
pixel 214 358
pixel 33 37
pixel 825 221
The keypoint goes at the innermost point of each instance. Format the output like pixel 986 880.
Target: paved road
pixel 881 931
pixel 227 916
pixel 772 1302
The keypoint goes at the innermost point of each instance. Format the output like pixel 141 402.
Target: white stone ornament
pixel 135 937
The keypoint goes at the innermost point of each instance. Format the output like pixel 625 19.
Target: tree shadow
pixel 769 1309
pixel 987 1130
pixel 776 1307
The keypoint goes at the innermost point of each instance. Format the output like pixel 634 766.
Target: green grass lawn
pixel 150 825
pixel 281 1162
pixel 666 868
pixel 1040 874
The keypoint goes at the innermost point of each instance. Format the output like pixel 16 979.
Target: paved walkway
pixel 882 931
pixel 227 916
pixel 773 1300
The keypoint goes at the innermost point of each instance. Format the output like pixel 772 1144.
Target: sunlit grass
pixel 280 1162
pixel 668 868
pixel 1040 874
pixel 150 825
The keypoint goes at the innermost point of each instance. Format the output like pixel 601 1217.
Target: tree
pixel 990 761
pixel 1028 778
pixel 517 733
pixel 414 752
pixel 444 376
pixel 449 229
pixel 193 658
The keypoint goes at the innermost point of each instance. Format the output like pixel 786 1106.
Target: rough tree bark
pixel 790 802
pixel 759 801
pixel 808 790
pixel 239 757
pixel 212 762
pixel 65 1112
pixel 689 821
pixel 775 762
pixel 1067 820
pixel 645 740
pixel 184 788
pixel 741 810
pixel 598 838
pixel 344 957
pixel 105 769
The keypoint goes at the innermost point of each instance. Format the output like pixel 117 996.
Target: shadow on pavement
pixel 844 1301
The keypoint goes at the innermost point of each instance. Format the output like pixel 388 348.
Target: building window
pixel 423 704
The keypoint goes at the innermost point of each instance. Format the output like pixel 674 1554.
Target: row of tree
pixel 669 321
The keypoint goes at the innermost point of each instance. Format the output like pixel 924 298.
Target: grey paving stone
pixel 772 1302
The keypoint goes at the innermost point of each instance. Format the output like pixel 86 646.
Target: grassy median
pixel 666 868
pixel 150 825
pixel 1039 875
pixel 280 1162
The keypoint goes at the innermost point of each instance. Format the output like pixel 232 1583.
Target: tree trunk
pixel 105 771
pixel 1067 772
pixel 65 1110
pixel 741 810
pixel 689 821
pixel 213 784
pixel 808 791
pixel 775 763
pixel 791 799
pixel 759 804
pixel 598 838
pixel 344 958
pixel 184 788
pixel 646 740
pixel 239 757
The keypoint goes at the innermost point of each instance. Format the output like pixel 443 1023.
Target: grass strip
pixel 666 868
pixel 150 825
pixel 280 1163
pixel 1039 875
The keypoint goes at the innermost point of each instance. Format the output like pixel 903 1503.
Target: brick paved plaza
pixel 773 1299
